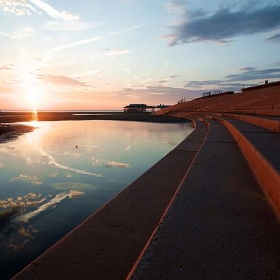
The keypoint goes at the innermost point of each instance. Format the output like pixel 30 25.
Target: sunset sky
pixel 103 55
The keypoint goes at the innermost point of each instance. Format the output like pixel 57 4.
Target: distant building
pixel 140 108
pixel 135 108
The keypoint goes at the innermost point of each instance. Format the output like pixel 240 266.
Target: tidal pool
pixel 55 177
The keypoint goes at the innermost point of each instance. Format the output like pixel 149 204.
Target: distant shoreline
pixel 9 129
pixel 25 116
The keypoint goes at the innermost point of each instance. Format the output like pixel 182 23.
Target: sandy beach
pixel 10 126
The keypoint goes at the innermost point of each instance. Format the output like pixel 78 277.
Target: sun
pixel 33 97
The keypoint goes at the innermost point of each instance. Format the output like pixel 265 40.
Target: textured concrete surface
pixel 261 149
pixel 265 141
pixel 107 244
pixel 220 225
pixel 267 122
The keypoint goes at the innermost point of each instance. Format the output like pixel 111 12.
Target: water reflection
pixel 56 176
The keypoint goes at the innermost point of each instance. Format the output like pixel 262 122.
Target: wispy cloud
pixel 61 80
pixel 154 90
pixel 224 24
pixel 168 79
pixel 7 67
pixel 174 76
pixel 70 45
pixel 106 53
pixel 24 32
pixel 23 7
pixel 18 7
pixel 167 65
pixel 253 74
pixel 64 15
pixel 274 39
pixel 213 84
pixel 127 71
pixel 249 75
pixel 174 6
pixel 69 25
pixel 88 40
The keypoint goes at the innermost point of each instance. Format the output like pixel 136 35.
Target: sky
pixel 103 55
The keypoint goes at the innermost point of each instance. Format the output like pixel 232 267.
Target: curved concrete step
pixel 219 226
pixel 267 122
pixel 261 148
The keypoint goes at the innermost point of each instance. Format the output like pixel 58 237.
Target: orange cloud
pixel 62 80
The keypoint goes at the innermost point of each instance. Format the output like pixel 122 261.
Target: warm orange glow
pixel 34 99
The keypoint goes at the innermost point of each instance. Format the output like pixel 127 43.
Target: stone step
pixel 220 224
pixel 268 122
pixel 261 149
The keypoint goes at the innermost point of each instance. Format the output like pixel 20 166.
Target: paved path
pixel 220 225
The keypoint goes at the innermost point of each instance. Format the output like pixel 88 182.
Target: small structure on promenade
pixel 211 93
pixel 135 108
pixel 262 86
pixel 141 108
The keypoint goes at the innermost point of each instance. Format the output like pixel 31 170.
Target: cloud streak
pixel 62 80
pixel 249 75
pixel 64 15
pixel 95 55
pixel 274 39
pixel 52 161
pixel 22 7
pixel 24 32
pixel 69 25
pixel 57 199
pixel 224 24
pixel 88 40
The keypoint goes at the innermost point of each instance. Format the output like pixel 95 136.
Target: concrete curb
pixel 167 208
pixel 272 125
pixel 266 174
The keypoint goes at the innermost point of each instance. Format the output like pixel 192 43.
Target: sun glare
pixel 33 98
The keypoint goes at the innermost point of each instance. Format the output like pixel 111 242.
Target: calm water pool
pixel 56 176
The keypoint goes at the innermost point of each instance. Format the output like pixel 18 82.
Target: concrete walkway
pixel 220 225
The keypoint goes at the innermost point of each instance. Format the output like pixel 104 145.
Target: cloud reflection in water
pixel 58 198
pixel 43 171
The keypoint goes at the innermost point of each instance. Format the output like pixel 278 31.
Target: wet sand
pixel 11 117
pixel 11 131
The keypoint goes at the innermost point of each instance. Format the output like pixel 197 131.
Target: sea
pixel 55 177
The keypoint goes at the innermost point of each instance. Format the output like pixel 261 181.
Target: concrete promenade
pixel 220 225
pixel 199 213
